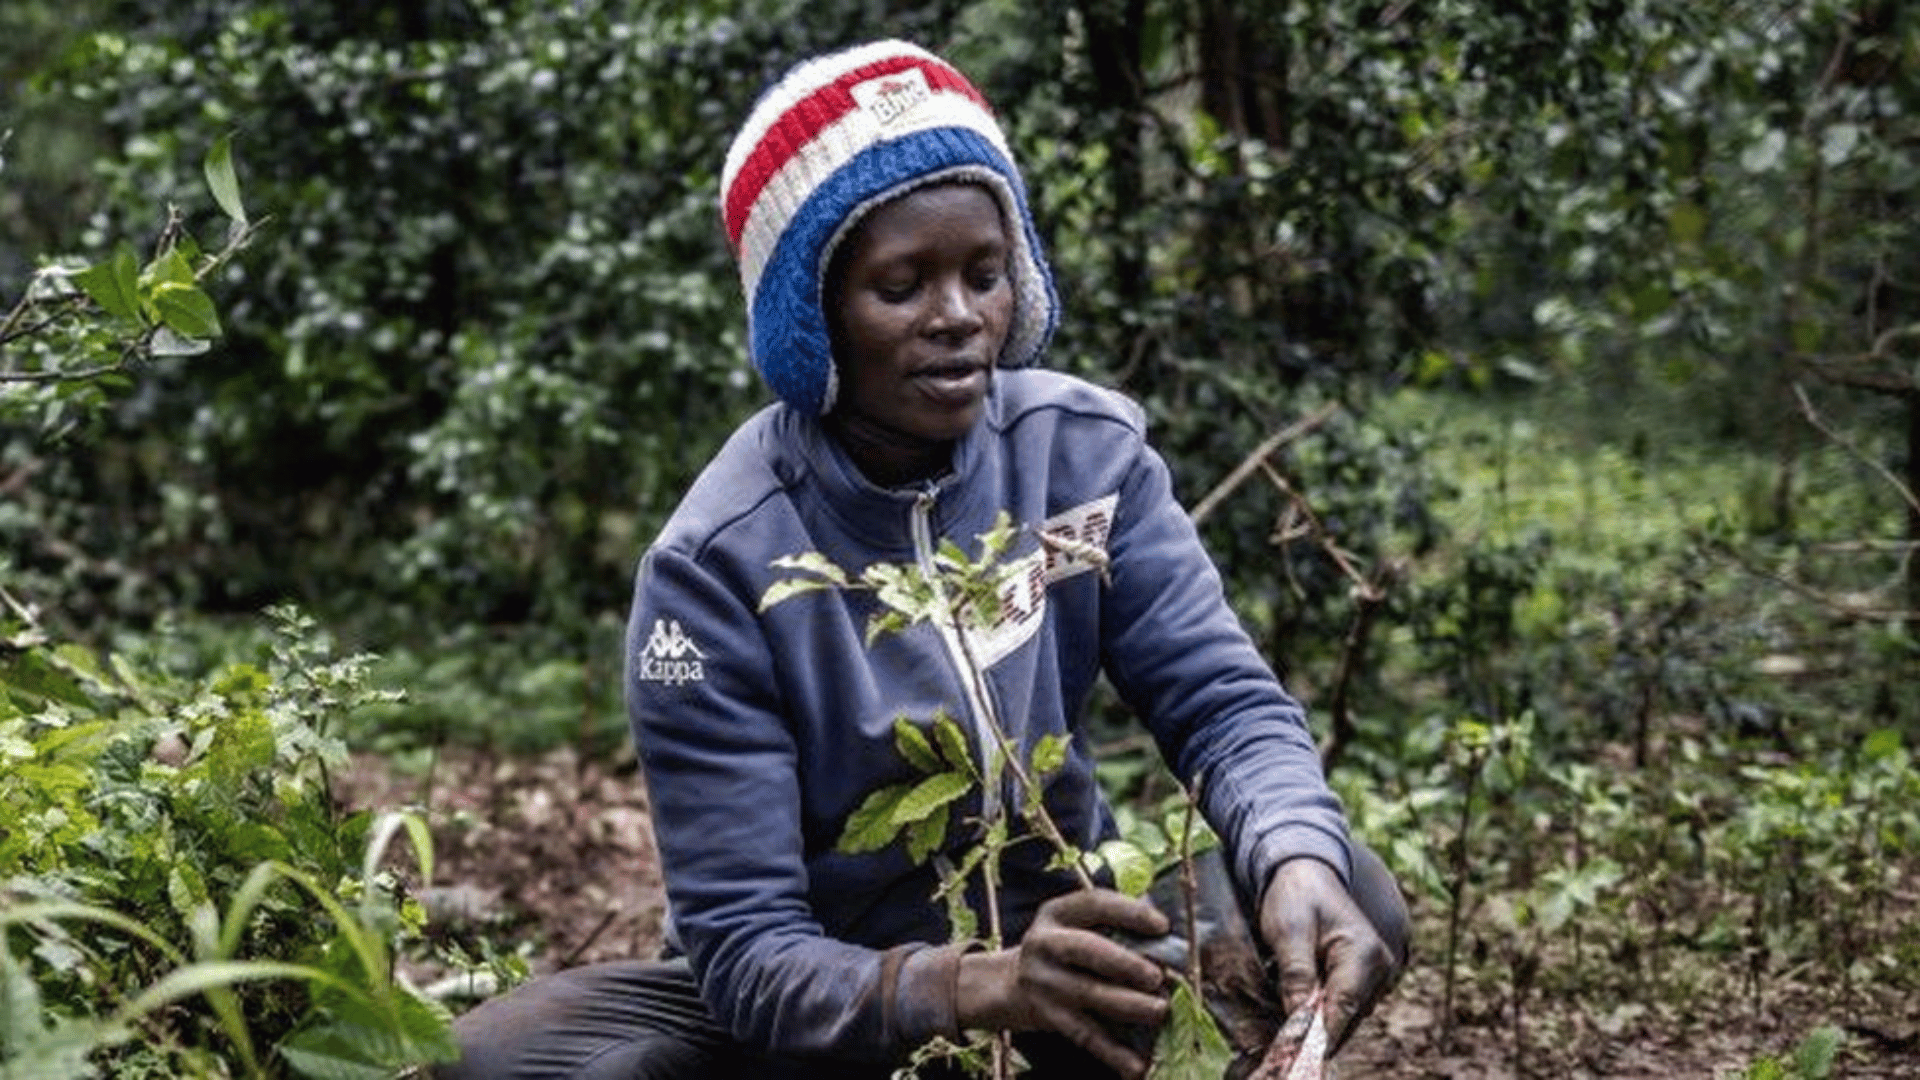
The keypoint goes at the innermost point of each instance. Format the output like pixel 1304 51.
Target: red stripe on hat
pixel 815 113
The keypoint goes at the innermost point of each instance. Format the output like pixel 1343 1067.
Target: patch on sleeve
pixel 669 656
pixel 1073 542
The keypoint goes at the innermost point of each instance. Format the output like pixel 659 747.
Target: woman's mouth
pixel 955 384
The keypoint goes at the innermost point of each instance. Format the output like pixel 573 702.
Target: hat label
pixel 890 97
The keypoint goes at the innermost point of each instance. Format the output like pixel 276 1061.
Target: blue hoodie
pixel 761 732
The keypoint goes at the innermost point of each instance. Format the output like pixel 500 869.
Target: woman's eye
pixel 893 292
pixel 988 278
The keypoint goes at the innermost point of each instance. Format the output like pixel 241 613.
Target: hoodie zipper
pixel 973 687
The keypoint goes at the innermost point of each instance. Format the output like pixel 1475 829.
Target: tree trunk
pixel 1913 512
pixel 1114 40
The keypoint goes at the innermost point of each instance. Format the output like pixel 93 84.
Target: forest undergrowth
pixel 1649 807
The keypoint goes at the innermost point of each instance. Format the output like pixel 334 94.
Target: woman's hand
pixel 1068 977
pixel 1320 937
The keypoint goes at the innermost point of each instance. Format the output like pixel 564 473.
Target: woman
pixel 897 295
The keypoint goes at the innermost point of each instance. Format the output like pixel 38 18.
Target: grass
pixel 1539 462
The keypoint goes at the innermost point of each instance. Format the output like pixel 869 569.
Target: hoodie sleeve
pixel 1178 655
pixel 720 764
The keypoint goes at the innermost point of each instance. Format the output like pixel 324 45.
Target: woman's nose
pixel 955 309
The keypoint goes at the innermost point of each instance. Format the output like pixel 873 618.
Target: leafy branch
pixel 159 308
pixel 1370 589
pixel 961 596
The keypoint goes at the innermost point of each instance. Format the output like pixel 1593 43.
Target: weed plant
pixel 180 895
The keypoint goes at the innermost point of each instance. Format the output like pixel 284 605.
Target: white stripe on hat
pixel 807 169
pixel 801 83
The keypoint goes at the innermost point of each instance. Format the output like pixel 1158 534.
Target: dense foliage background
pixel 1544 373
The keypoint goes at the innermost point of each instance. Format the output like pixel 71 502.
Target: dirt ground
pixel 555 855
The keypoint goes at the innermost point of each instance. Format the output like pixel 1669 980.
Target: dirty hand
pixel 1320 938
pixel 1066 976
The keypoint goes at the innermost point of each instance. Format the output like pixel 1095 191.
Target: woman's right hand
pixel 1068 977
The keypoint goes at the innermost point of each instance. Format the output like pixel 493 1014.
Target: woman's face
pixel 920 304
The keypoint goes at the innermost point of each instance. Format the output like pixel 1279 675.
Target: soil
pixel 553 856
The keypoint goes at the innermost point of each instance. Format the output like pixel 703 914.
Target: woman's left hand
pixel 1322 939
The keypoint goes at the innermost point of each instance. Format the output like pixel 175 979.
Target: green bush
pixel 181 890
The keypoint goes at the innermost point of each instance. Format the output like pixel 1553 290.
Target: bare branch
pixel 170 233
pixel 60 375
pixel 1261 453
pixel 1807 410
pixel 1190 886
pixel 11 331
pixel 1883 344
pixel 1829 370
pixel 1300 508
pixel 1847 610
pixel 1353 652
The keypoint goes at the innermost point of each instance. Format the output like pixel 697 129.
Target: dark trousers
pixel 645 1020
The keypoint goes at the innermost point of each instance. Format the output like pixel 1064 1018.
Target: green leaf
pixel 1049 754
pixel 994 542
pixel 186 311
pixel 913 746
pixel 1132 868
pixel 394 1031
pixel 34 1050
pixel 385 828
pixel 963 922
pixel 890 622
pixel 244 743
pixel 114 284
pixel 222 181
pixel 1837 144
pixel 950 556
pixel 327 1059
pixel 186 889
pixel 170 342
pixel 953 745
pixel 1766 154
pixel 812 562
pixel 903 591
pixel 195 979
pixel 1813 1060
pixel 26 913
pixel 871 826
pixel 787 588
pixel 369 1044
pixel 15 749
pixel 1190 1046
pixel 169 269
pixel 925 836
pixel 52 781
pixel 1882 744
pixel 931 794
pixel 20 1018
pixel 1687 222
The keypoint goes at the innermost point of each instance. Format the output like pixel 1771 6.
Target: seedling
pixel 960 594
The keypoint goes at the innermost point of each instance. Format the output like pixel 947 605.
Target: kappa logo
pixel 890 97
pixel 670 657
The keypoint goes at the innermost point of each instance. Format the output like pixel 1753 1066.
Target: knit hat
pixel 832 140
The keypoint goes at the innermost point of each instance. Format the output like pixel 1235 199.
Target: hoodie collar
pixel 882 516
